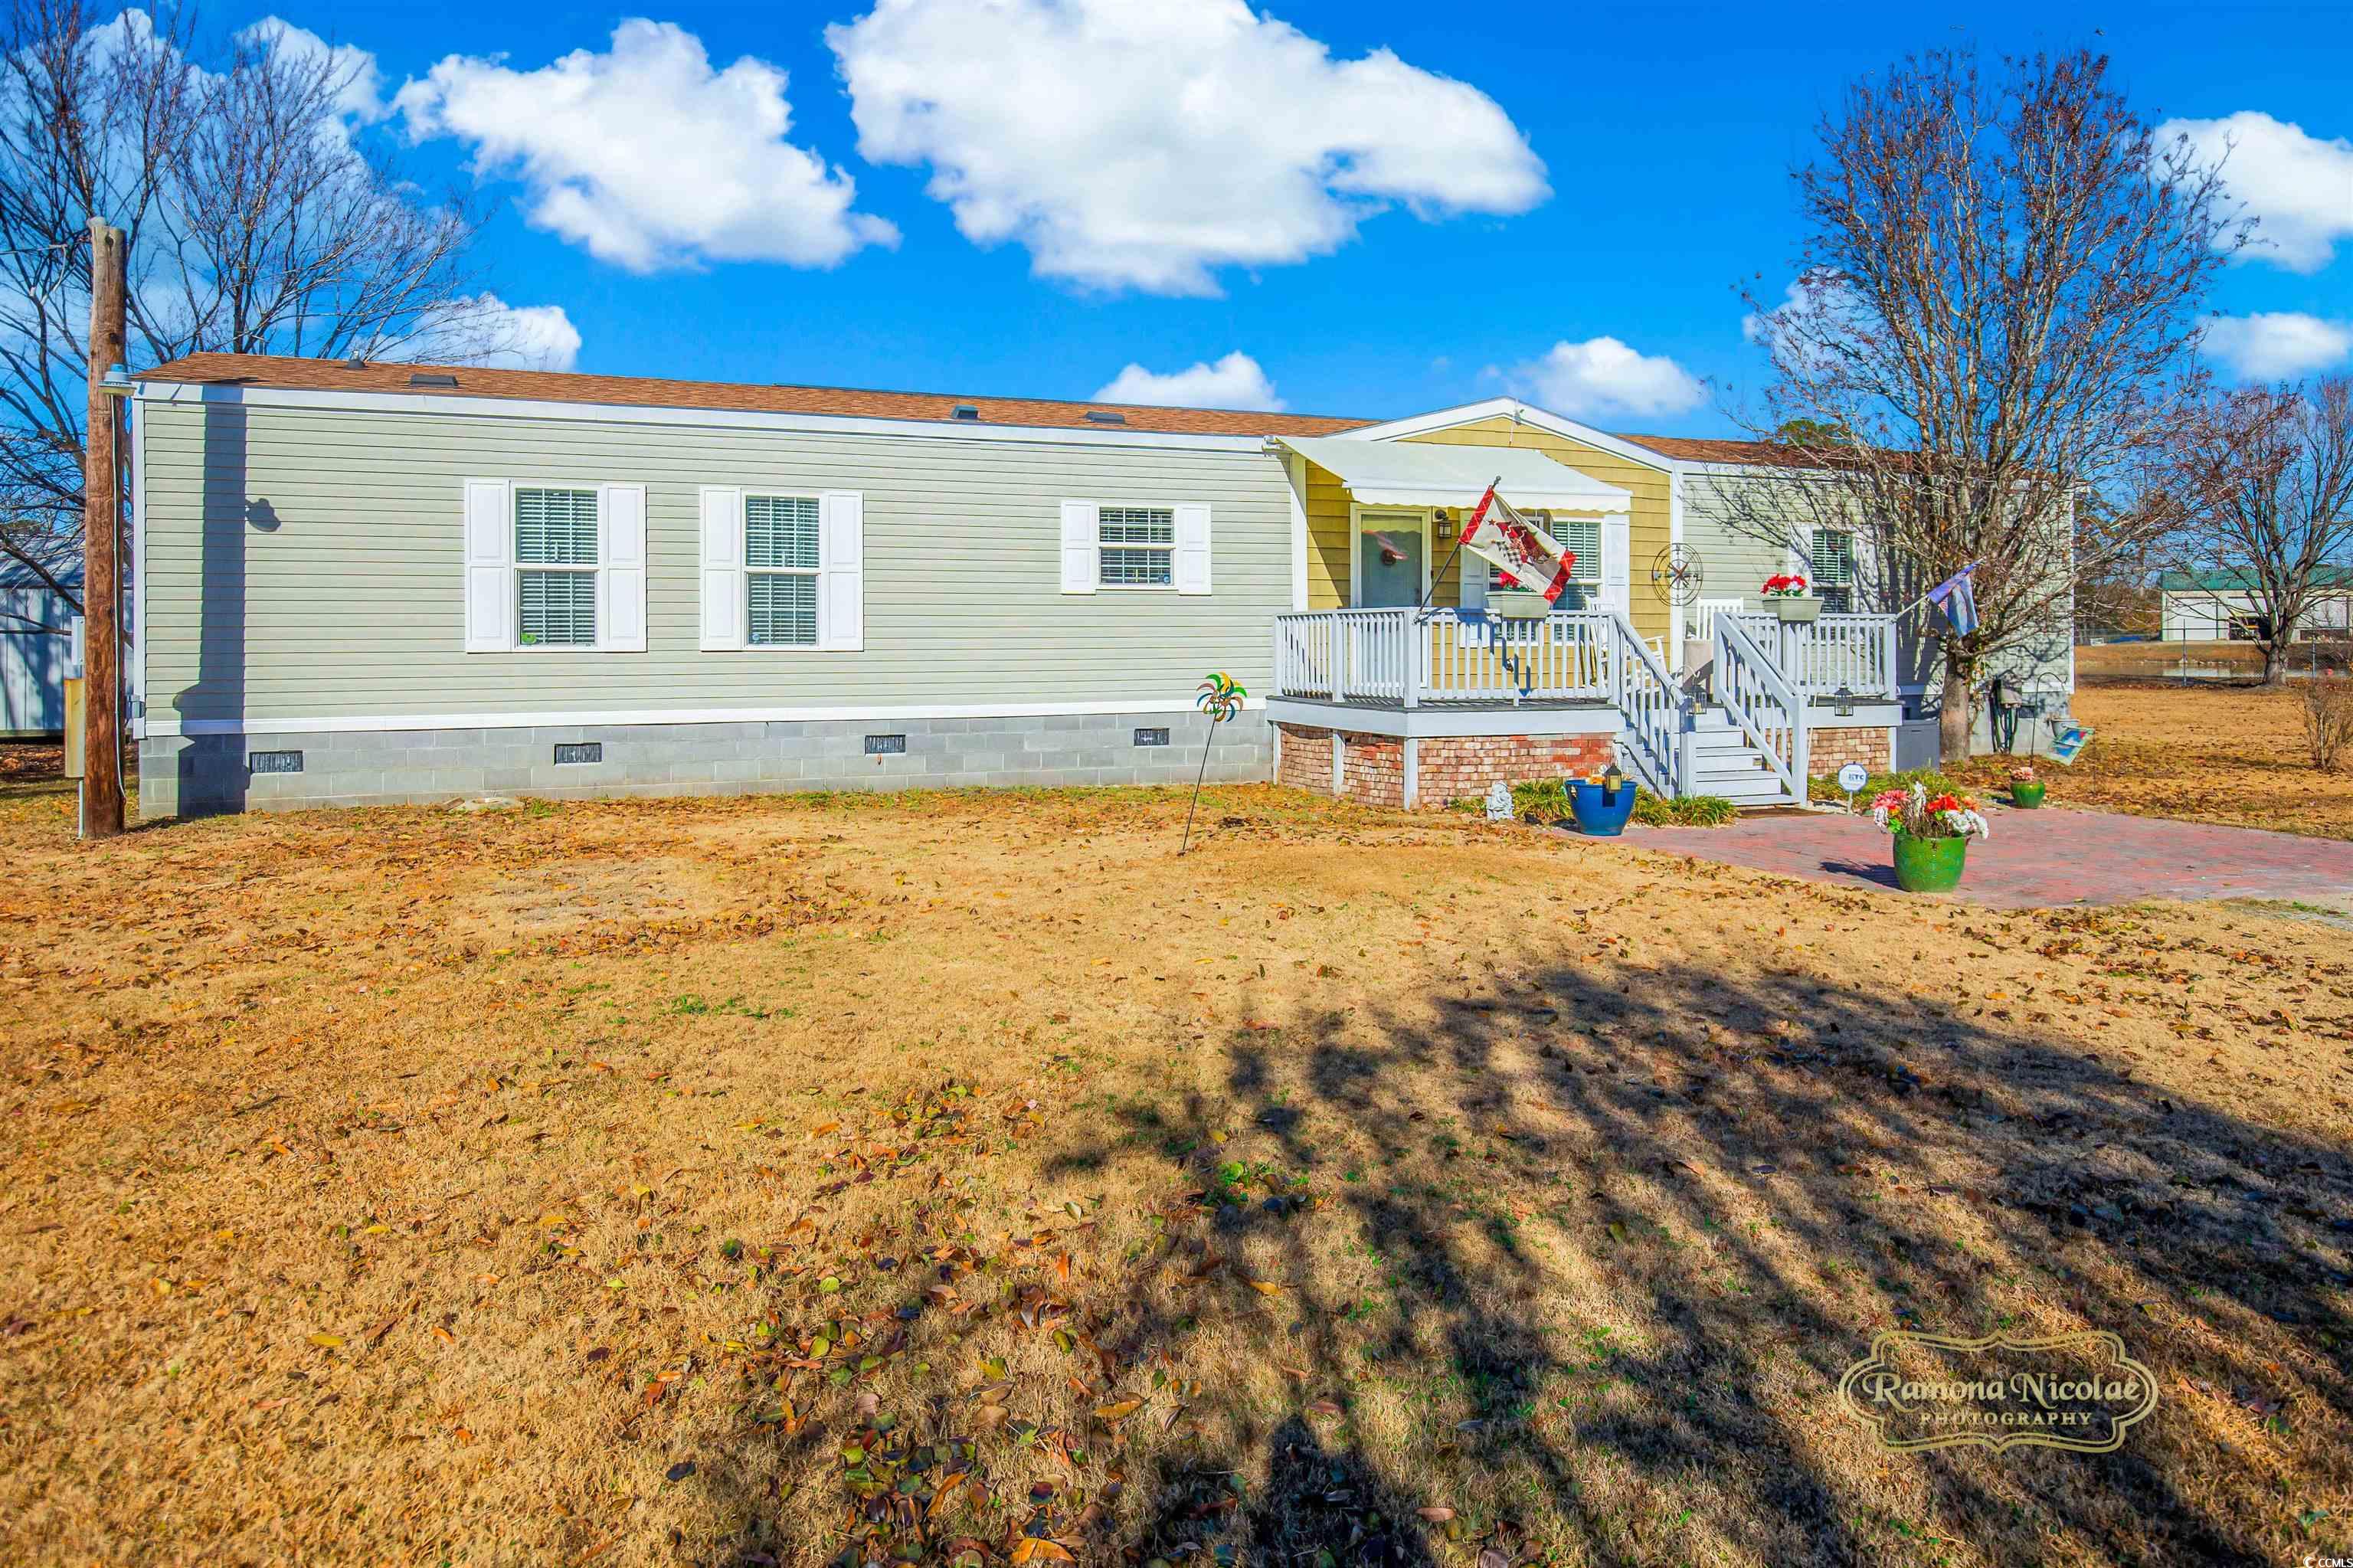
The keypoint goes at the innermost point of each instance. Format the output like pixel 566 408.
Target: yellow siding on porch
pixel 1327 539
pixel 1648 529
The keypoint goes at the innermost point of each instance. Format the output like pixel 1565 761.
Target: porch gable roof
pixel 1415 474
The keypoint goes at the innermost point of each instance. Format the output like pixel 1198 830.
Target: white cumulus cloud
pixel 483 329
pixel 648 156
pixel 1234 381
pixel 1144 143
pixel 1602 376
pixel 2277 345
pixel 2299 187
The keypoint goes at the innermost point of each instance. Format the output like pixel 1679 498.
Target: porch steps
pixel 1724 765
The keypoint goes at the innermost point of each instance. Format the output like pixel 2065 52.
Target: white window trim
pixel 1190 548
pixel 492 600
pixel 816 574
pixel 725 572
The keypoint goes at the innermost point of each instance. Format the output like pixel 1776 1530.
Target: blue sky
pixel 1664 133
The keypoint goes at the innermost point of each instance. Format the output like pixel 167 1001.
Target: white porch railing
pixel 1818 656
pixel 1768 707
pixel 1703 613
pixel 1651 707
pixel 1404 658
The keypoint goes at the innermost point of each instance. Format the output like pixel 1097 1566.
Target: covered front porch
pixel 1762 697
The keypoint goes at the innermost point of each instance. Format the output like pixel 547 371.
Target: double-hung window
pixel 1134 543
pixel 1581 537
pixel 783 568
pixel 782 548
pixel 1138 545
pixel 555 566
pixel 1831 554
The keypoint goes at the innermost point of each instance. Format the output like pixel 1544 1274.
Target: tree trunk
pixel 1952 718
pixel 2274 664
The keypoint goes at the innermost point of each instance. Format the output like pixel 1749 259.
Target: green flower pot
pixel 2026 797
pixel 1929 865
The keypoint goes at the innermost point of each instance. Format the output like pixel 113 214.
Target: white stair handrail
pixel 1756 693
pixel 1652 706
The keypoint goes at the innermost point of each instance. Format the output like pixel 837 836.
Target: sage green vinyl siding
pixel 308 563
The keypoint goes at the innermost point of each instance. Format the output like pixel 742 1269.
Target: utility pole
pixel 102 573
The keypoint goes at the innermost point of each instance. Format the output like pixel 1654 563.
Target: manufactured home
pixel 374 583
pixel 36 639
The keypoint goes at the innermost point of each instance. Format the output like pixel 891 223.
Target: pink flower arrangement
pixel 1916 814
pixel 2021 775
pixel 1785 585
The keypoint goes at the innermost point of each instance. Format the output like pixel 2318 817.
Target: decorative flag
pixel 1957 599
pixel 1527 555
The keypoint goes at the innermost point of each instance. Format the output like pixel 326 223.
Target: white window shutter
pixel 489 566
pixel 722 568
pixel 1082 547
pixel 841 571
pixel 1192 546
pixel 1617 569
pixel 621 569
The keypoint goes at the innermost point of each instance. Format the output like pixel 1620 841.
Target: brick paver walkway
pixel 2037 858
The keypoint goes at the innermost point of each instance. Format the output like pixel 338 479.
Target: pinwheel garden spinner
pixel 1221 699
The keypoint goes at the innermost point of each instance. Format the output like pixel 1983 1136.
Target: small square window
pixel 1152 737
pixel 885 745
pixel 1138 545
pixel 568 753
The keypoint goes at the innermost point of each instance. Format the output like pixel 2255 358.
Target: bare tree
pixel 260 222
pixel 2259 488
pixel 1995 316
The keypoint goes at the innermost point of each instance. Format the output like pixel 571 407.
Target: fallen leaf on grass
pixel 1121 1411
pixel 1436 1515
pixel 1266 1286
pixel 327 1341
pixel 1323 1407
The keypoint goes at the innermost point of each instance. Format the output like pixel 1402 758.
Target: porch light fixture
pixel 116 382
pixel 1845 702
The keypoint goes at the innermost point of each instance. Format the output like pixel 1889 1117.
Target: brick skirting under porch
pixel 1828 750
pixel 1429 771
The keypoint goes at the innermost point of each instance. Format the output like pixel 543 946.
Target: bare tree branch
pixel 259 221
pixel 2260 487
pixel 1995 319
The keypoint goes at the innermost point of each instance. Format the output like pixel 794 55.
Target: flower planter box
pixel 1600 810
pixel 1796 607
pixel 2027 797
pixel 1517 604
pixel 1929 865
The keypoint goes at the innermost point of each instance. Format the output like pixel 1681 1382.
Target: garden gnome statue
pixel 1499 801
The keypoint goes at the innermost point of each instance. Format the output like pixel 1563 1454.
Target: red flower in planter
pixel 1783 584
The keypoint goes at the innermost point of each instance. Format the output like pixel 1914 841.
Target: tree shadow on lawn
pixel 1567 1156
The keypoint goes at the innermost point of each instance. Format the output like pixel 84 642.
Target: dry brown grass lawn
pixel 825 1179
pixel 2209 753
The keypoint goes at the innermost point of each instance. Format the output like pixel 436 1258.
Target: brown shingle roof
pixel 639 391
pixel 571 386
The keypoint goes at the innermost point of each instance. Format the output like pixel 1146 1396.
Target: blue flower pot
pixel 1599 810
